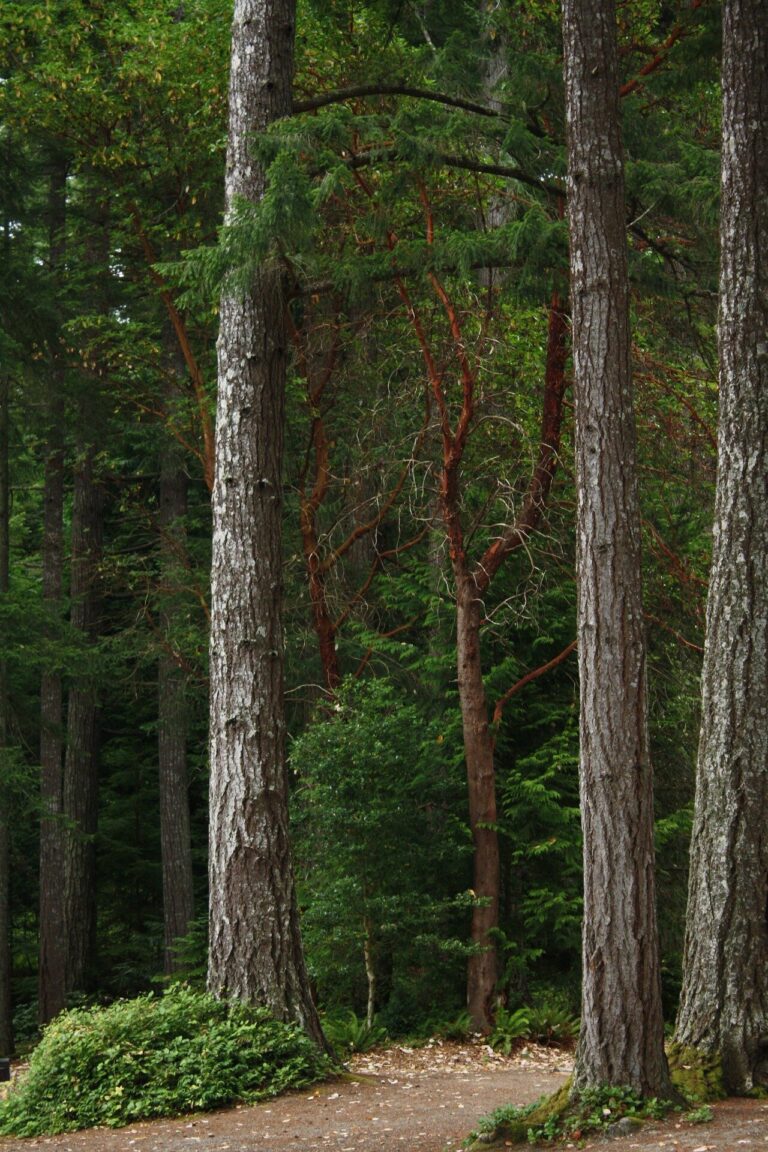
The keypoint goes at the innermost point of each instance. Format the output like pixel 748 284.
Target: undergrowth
pixel 562 1117
pixel 155 1056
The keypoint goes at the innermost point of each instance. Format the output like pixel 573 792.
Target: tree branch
pixel 325 98
pixel 529 676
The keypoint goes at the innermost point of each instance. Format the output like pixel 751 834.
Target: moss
pixel 697 1075
pixel 511 1125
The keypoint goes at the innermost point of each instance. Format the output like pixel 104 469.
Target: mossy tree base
pixel 513 1124
pixel 567 1115
pixel 697 1075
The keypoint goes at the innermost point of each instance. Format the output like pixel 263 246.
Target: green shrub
pixel 155 1056
pixel 347 1033
pixel 563 1117
pixel 550 1023
pixel 509 1028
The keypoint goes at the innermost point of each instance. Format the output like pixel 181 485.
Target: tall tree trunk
pixel 724 1004
pixel 51 954
pixel 175 838
pixel 255 944
pixel 482 967
pixel 6 1011
pixel 81 763
pixel 622 1038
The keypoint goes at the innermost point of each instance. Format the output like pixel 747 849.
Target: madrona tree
pixel 724 1005
pixel 255 945
pixel 621 1041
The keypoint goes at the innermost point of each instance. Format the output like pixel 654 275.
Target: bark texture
pixel 621 1039
pixel 51 983
pixel 175 836
pixel 724 1005
pixel 81 763
pixel 255 944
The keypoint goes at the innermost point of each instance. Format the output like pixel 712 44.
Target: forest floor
pixel 405 1100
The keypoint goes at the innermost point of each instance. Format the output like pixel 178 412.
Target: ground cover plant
pixel 154 1056
pixel 563 1117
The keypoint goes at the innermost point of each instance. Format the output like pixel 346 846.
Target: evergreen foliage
pixel 131 99
pixel 155 1056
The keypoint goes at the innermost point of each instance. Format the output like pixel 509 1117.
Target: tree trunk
pixel 482 967
pixel 81 764
pixel 51 996
pixel 175 837
pixel 6 1009
pixel 255 945
pixel 369 953
pixel 622 1038
pixel 724 1005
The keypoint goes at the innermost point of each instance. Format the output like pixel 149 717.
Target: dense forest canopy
pixel 415 210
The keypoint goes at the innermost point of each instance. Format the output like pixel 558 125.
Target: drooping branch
pixel 363 90
pixel 448 160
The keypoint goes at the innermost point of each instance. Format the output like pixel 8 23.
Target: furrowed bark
pixel 724 1003
pixel 255 945
pixel 621 1041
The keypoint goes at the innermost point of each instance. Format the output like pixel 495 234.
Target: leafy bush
pixel 155 1056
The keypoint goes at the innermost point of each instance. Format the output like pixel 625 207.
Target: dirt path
pixel 425 1100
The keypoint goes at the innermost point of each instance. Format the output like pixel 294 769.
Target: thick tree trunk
pixel 6 1010
pixel 724 1005
pixel 482 967
pixel 81 764
pixel 255 944
pixel 175 836
pixel 51 996
pixel 621 1038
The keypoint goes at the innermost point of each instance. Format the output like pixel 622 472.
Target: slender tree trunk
pixel 81 763
pixel 255 944
pixel 175 837
pixel 6 1008
pixel 369 955
pixel 724 1004
pixel 52 952
pixel 482 968
pixel 622 1038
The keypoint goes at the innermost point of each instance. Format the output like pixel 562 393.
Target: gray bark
pixel 175 837
pixel 255 945
pixel 724 1004
pixel 621 1041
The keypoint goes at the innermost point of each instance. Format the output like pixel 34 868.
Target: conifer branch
pixel 361 91
pixel 660 54
pixel 179 327
pixel 506 171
